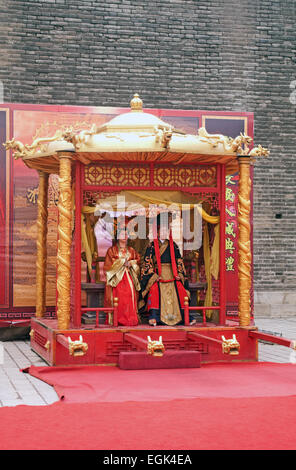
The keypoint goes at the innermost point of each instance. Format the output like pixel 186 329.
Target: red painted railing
pixel 104 309
pixel 115 313
pixel 203 309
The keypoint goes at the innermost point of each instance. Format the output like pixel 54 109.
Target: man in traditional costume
pixel 164 284
pixel 122 268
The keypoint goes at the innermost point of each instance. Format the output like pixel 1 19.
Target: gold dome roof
pixel 134 120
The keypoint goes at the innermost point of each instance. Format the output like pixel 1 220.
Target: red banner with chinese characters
pixel 231 247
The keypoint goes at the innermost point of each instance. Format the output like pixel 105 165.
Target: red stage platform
pixel 104 344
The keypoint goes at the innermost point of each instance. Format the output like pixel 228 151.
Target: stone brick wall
pixel 187 54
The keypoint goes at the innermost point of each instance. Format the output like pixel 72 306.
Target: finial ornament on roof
pixel 136 103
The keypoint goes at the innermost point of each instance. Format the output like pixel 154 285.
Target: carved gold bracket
pixel 155 348
pixel 78 347
pixel 39 145
pixel 230 346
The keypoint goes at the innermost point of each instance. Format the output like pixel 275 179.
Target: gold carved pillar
pixel 64 242
pixel 41 260
pixel 244 242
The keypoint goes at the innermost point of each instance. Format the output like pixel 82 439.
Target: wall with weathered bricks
pixel 187 54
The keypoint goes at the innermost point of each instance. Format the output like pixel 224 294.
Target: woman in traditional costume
pixel 122 267
pixel 164 284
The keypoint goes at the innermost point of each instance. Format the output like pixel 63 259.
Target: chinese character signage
pixel 231 236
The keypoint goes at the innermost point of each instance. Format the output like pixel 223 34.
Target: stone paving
pixel 268 352
pixel 18 388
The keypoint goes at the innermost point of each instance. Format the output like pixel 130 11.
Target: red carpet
pixel 251 423
pixel 110 384
pixel 226 406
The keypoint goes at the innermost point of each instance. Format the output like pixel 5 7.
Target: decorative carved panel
pixel 187 176
pixel 110 175
pixel 152 176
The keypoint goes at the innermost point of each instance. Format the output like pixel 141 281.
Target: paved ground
pixel 17 388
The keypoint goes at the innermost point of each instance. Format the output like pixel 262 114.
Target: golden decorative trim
pixel 155 348
pixel 259 152
pixel 78 347
pixel 114 175
pixel 239 145
pixel 31 334
pixel 41 260
pixel 111 314
pixel 129 134
pixel 21 150
pixel 78 139
pixel 64 243
pixel 185 176
pixel 107 174
pixel 136 103
pixel 244 242
pixel 170 313
pixel 47 345
pixel 163 135
pixel 230 346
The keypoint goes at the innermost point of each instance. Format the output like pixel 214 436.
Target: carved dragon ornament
pixel 155 348
pixel 240 145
